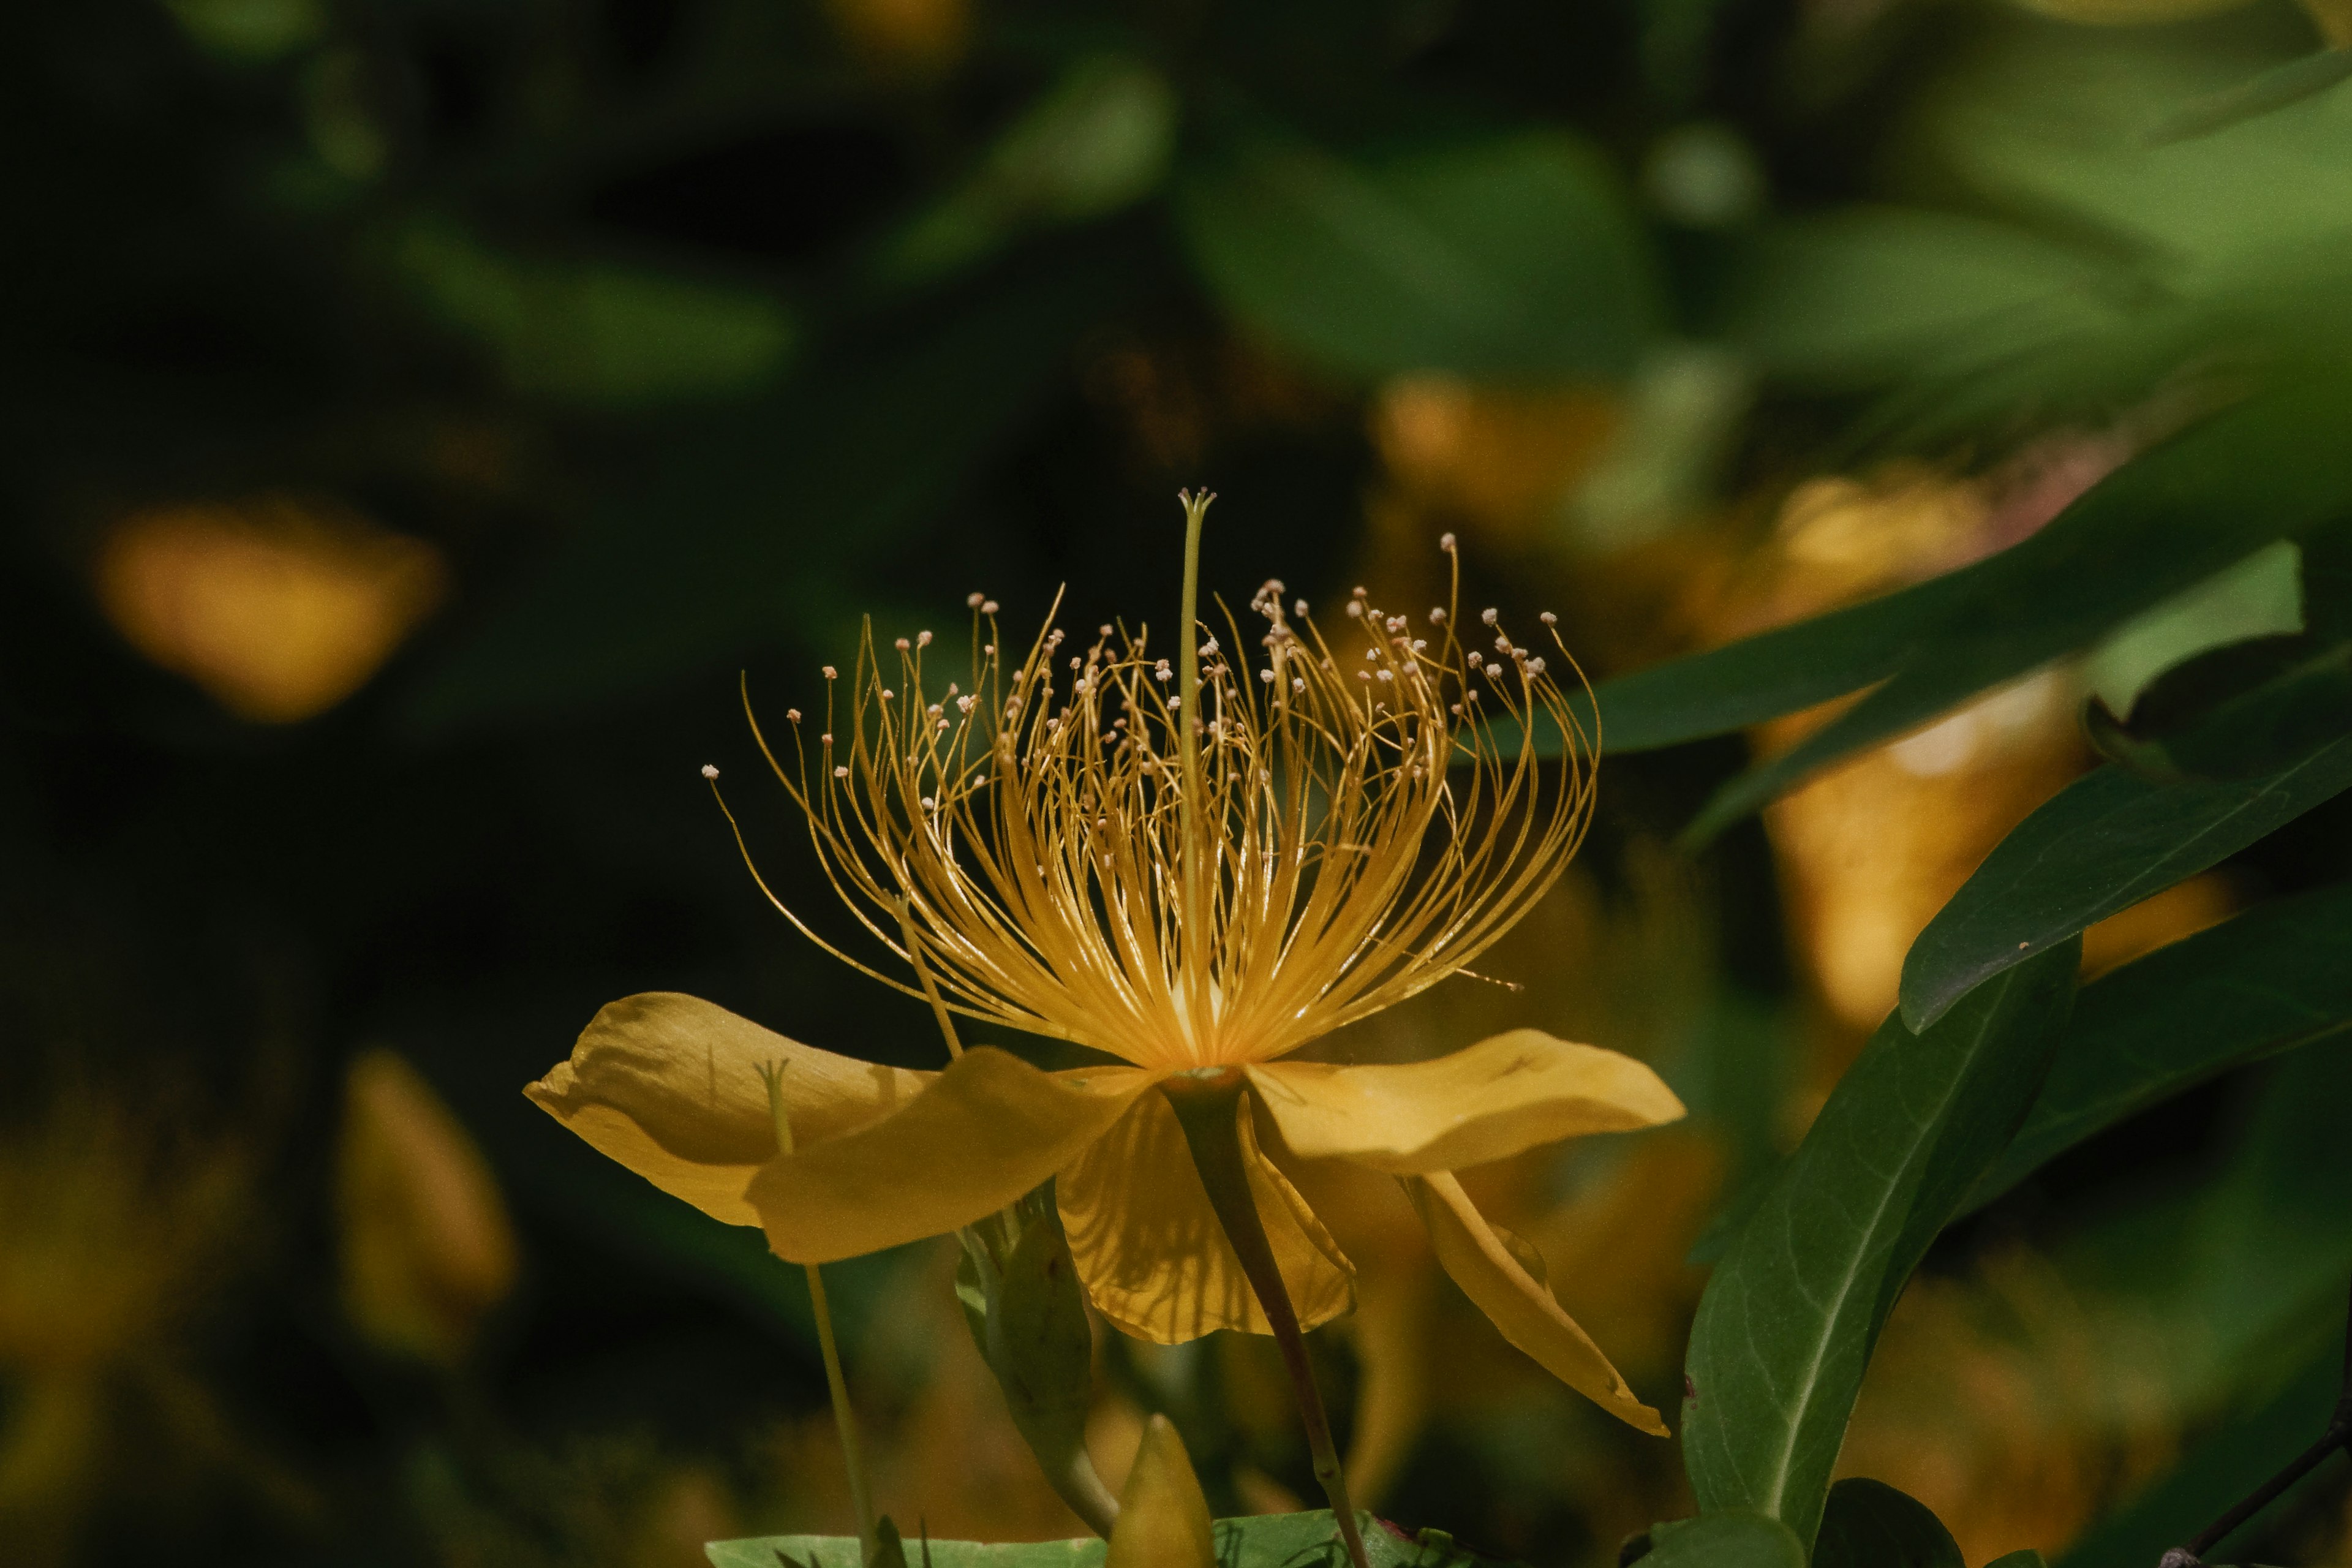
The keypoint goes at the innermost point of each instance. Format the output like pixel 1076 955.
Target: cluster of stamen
pixel 1363 824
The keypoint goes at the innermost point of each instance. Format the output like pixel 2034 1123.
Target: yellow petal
pixel 1490 1102
pixel 669 1085
pixel 979 1135
pixel 1163 1517
pixel 1152 1253
pixel 1480 1258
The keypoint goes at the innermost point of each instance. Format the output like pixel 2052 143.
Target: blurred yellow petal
pixel 1483 1260
pixel 426 1245
pixel 1490 1102
pixel 280 608
pixel 1163 1516
pixel 669 1085
pixel 1152 1253
pixel 979 1135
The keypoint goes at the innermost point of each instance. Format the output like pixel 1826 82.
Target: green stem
pixel 1210 1106
pixel 844 1419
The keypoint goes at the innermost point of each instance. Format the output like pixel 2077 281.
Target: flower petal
pixel 669 1085
pixel 1487 1102
pixel 979 1135
pixel 1152 1253
pixel 1482 1259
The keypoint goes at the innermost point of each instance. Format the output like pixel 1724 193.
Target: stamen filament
pixel 1209 1110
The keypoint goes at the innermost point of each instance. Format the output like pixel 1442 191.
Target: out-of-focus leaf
pixel 2102 844
pixel 2245 1278
pixel 251 31
pixel 2271 467
pixel 2231 1461
pixel 2023 1557
pixel 1263 1540
pixel 1869 1525
pixel 2261 597
pixel 753 513
pixel 1866 295
pixel 1101 138
pixel 1786 1326
pixel 2272 979
pixel 2276 89
pixel 590 332
pixel 1510 255
pixel 1728 1538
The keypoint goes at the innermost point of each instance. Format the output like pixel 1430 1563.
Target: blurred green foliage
pixel 688 331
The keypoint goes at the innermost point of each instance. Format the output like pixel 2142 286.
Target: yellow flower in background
pixel 1196 867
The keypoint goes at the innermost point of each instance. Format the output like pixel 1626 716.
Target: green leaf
pixel 592 332
pixel 1869 294
pixel 2267 469
pixel 1263 1540
pixel 2023 1557
pixel 2273 979
pixel 2261 597
pixel 1869 1525
pixel 2102 843
pixel 1504 256
pixel 1733 1538
pixel 1786 1326
pixel 2270 467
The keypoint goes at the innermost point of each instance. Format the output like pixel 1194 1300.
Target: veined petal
pixel 671 1086
pixel 1152 1253
pixel 1487 1102
pixel 979 1135
pixel 1483 1261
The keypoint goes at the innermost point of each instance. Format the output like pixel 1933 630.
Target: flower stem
pixel 1209 1108
pixel 844 1419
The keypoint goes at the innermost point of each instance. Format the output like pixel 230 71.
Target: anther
pixel 988 607
pixel 1477 659
pixel 972 601
pixel 922 639
pixel 841 773
pixel 792 714
pixel 1102 631
pixel 888 694
pixel 826 738
pixel 831 673
pixel 1445 541
pixel 710 772
pixel 1490 616
pixel 1267 676
pixel 1356 607
pixel 931 804
pixel 1298 607
pixel 1437 616
pixel 903 645
pixel 1549 619
pixel 1534 666
pixel 1361 590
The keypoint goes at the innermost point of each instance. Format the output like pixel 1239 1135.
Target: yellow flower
pixel 1196 881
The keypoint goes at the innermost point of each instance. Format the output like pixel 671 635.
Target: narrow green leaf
pixel 2102 844
pixel 2275 978
pixel 1786 1326
pixel 2270 467
pixel 1869 1525
pixel 1262 1541
pixel 1734 1538
pixel 2274 89
pixel 1511 254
